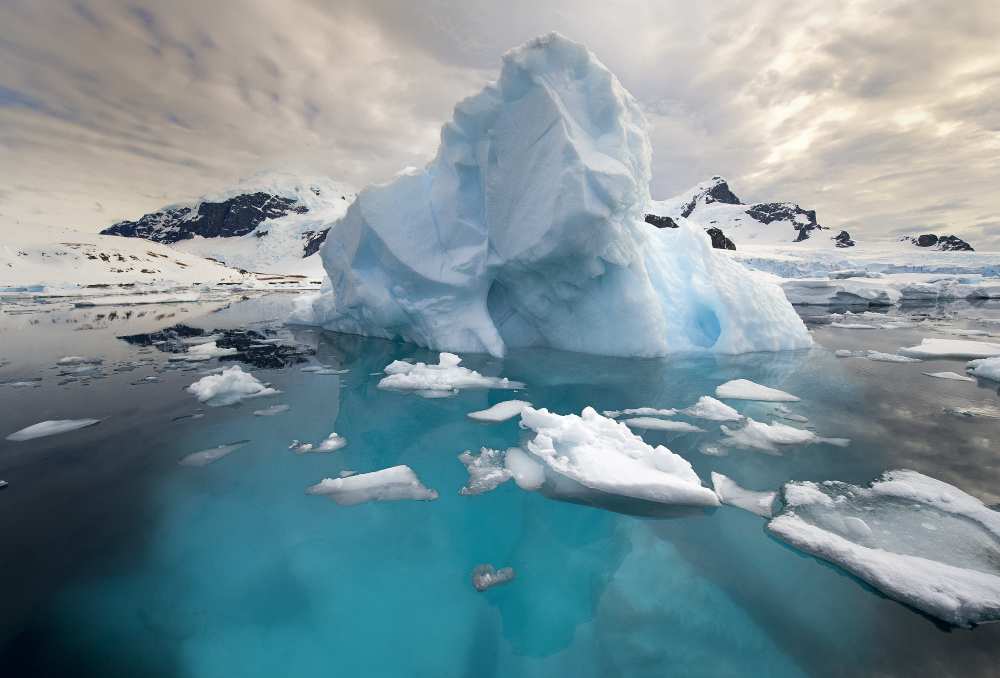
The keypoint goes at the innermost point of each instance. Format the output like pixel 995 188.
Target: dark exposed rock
pixel 233 217
pixel 660 222
pixel 315 239
pixel 946 243
pixel 717 192
pixel 766 212
pixel 251 346
pixel 719 239
pixel 843 239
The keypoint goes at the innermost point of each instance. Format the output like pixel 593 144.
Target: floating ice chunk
pixel 952 348
pixel 954 376
pixel 34 382
pixel 487 576
pixel 785 413
pixel 988 412
pixel 655 424
pixel 206 457
pixel 331 443
pixel 709 408
pixel 744 389
pixel 880 357
pixel 527 229
pixel 3 484
pixel 389 484
pixel 604 455
pixel 853 326
pixel 914 538
pixel 526 471
pixel 987 368
pixel 508 409
pixel 50 427
pixel 78 360
pixel 207 351
pixel 229 386
pixel 639 412
pixel 769 437
pixel 732 494
pixel 486 471
pixel 299 447
pixel 441 380
pixel 272 410
pixel 844 353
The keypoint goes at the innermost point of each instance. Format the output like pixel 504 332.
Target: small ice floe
pixel 639 412
pixel 771 437
pixel 272 410
pixel 207 351
pixel 33 382
pixel 508 409
pixel 324 370
pixel 389 484
pixel 744 389
pixel 732 494
pixel 876 356
pixel 953 376
pixel 183 417
pixel 487 471
pixel 785 413
pixel 709 408
pixel 853 326
pixel 987 412
pixel 72 360
pixel 987 368
pixel 952 348
pixel 3 484
pixel 486 576
pixel 441 380
pixel 212 454
pixel 346 473
pixel 50 427
pixel 880 534
pixel 604 455
pixel 152 379
pixel 527 472
pixel 331 443
pixel 656 424
pixel 228 387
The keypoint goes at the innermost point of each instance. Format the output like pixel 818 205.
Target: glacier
pixel 527 229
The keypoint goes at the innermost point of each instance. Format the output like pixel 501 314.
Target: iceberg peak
pixel 527 229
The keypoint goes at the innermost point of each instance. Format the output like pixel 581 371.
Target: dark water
pixel 116 560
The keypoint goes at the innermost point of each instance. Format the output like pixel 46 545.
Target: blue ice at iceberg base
pixel 527 230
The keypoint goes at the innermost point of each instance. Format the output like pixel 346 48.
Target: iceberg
pixel 228 387
pixel 441 380
pixel 389 484
pixel 744 389
pixel 527 229
pixel 916 539
pixel 486 471
pixel 604 455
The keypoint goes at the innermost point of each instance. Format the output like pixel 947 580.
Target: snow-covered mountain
pixel 712 204
pixel 269 223
pixel 945 243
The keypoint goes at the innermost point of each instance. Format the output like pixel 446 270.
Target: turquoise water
pixel 116 560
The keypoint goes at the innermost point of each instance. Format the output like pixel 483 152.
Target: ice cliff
pixel 527 229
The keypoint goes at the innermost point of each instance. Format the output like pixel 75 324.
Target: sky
pixel 883 116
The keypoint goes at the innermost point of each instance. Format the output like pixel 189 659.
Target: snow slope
pixel 527 229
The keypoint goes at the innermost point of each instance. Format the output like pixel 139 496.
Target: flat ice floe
pixel 487 471
pixel 50 427
pixel 987 368
pixel 389 484
pixel 212 454
pixel 72 360
pixel 508 409
pixel 744 389
pixel 709 408
pixel 271 411
pixel 731 494
pixel 640 412
pixel 771 437
pixel 918 540
pixel 876 356
pixel 657 424
pixel 444 379
pixel 604 455
pixel 952 348
pixel 228 387
pixel 953 376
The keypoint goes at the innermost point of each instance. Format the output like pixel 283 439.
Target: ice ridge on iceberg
pixel 527 229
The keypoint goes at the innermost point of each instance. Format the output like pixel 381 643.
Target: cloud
pixel 882 116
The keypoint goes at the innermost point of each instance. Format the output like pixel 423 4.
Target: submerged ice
pixel 527 229
pixel 919 540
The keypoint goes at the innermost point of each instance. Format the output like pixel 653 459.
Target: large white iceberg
pixel 604 455
pixel 916 539
pixel 527 229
